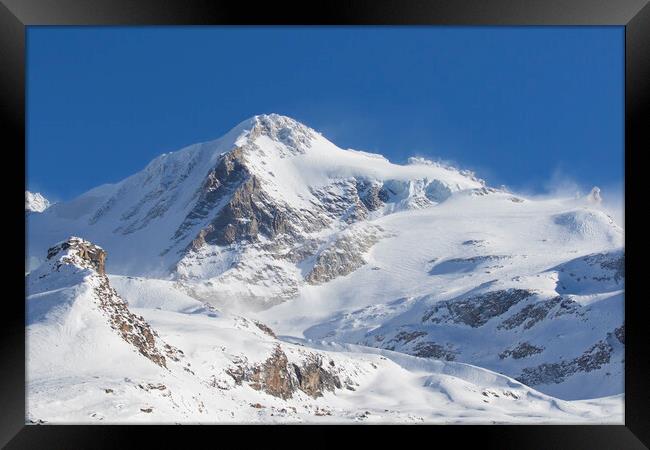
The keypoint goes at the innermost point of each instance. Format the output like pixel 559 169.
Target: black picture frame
pixel 634 15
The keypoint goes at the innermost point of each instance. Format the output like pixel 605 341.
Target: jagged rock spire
pixel 79 252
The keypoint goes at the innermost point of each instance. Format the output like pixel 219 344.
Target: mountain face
pixel 255 215
pixel 96 357
pixel 35 202
pixel 415 267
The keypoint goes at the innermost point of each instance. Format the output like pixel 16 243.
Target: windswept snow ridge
pixel 35 202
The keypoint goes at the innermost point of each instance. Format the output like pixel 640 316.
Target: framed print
pixel 362 214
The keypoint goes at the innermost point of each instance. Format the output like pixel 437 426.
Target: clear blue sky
pixel 520 105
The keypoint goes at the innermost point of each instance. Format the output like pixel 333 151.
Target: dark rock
pixel 373 195
pixel 407 336
pixel 520 351
pixel 266 329
pixel 532 314
pixel 620 334
pixel 477 310
pixel 432 350
pixel 592 359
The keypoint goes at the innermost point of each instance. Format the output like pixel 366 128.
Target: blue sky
pixel 534 108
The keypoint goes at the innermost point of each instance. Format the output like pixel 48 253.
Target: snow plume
pixel 560 184
pixel 613 202
pixel 608 198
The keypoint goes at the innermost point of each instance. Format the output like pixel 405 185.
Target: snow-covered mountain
pixel 342 250
pixel 254 215
pixel 35 202
pixel 93 357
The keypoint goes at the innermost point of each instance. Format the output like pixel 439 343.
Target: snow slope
pixel 81 369
pixel 564 257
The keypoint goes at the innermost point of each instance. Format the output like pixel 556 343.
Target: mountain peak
pixel 35 202
pixel 78 252
pixel 279 128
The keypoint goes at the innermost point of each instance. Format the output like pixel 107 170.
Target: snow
pixel 35 202
pixel 81 372
pixel 443 236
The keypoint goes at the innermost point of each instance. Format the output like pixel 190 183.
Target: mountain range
pixel 270 275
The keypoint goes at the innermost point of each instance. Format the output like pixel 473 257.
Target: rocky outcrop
pixel 241 208
pixel 410 342
pixel 522 350
pixel 295 136
pixel 532 314
pixel 277 377
pixel 620 334
pixel 592 359
pixel 266 329
pixel 314 378
pixel 372 194
pixel 613 262
pixel 79 252
pixel 247 213
pixel 404 337
pixel 477 310
pixel 343 256
pixel 429 349
pixel 133 329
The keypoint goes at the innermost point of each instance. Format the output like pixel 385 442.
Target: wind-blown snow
pixel 35 202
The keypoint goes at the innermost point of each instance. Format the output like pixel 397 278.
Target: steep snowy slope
pixel 35 202
pixel 531 289
pixel 93 358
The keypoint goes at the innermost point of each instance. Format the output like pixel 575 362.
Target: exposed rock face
pixel 614 262
pixel 266 329
pixel 314 379
pixel 405 337
pixel 133 329
pixel 522 350
pixel 241 208
pixel 218 185
pixel 532 314
pixel 274 376
pixel 296 136
pixel 410 342
pixel 620 334
pixel 277 377
pixel 592 359
pixel 81 253
pixel 343 256
pixel 373 195
pixel 244 210
pixel 429 349
pixel 476 311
